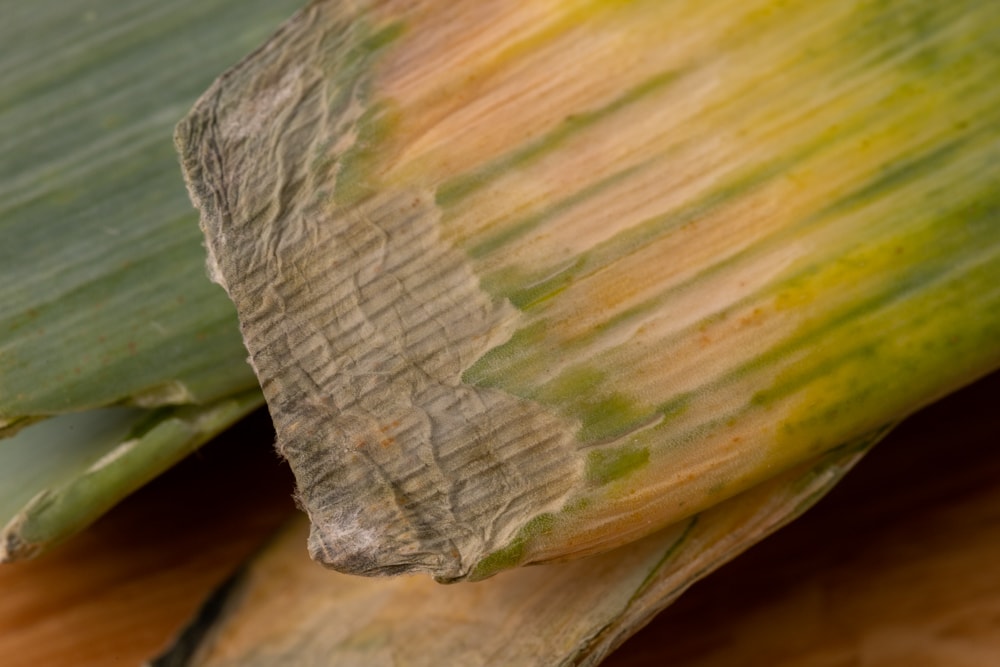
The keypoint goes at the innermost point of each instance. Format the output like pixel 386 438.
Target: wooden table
pixel 899 566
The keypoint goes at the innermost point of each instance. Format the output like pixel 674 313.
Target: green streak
pixel 608 465
pixel 517 229
pixel 460 187
pixel 513 554
pixel 487 370
pixel 354 178
pixel 602 415
pixel 534 291
pixel 669 554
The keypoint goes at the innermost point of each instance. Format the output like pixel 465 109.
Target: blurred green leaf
pixel 103 291
pixel 104 298
pixel 58 476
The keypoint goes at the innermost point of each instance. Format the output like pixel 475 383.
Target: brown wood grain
pixel 897 567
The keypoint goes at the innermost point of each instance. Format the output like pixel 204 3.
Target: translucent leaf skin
pixel 103 295
pixel 528 283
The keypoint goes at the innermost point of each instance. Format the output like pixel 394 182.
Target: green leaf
pixel 103 291
pixel 58 476
pixel 104 297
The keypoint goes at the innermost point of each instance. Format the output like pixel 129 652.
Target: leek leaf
pixel 529 282
pixel 103 293
pixel 58 476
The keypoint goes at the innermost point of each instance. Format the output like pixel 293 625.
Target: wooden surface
pixel 899 566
